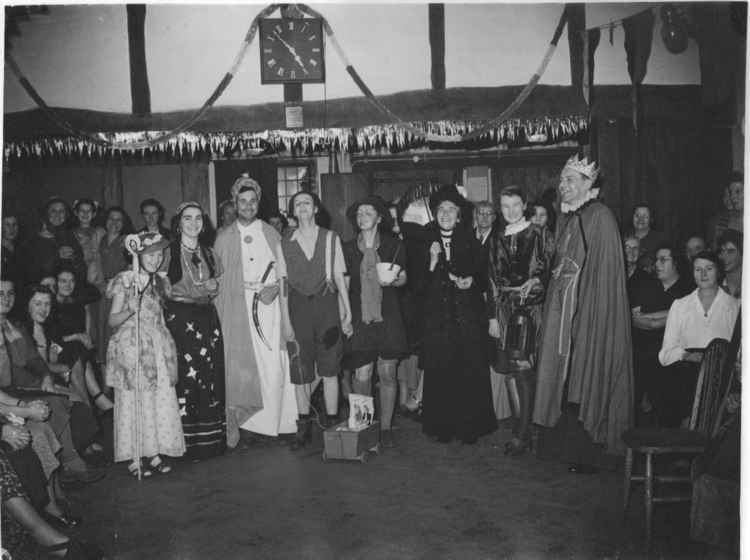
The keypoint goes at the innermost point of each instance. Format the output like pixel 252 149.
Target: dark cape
pixel 586 350
pixel 457 395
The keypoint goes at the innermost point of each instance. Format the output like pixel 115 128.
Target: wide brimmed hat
pixel 449 193
pixel 151 242
pixel 381 207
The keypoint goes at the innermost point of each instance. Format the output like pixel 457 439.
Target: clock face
pixel 291 50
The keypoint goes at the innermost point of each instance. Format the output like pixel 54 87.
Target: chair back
pixel 710 390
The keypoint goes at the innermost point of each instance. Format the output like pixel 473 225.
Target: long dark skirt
pixel 457 395
pixel 200 384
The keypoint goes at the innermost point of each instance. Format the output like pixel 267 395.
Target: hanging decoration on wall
pixel 639 32
pixel 674 29
pixel 309 142
pixel 164 141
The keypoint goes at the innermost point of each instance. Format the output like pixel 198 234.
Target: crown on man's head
pixel 583 166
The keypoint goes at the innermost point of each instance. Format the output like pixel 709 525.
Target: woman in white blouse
pixel 693 321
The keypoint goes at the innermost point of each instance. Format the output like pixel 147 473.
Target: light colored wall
pixel 78 55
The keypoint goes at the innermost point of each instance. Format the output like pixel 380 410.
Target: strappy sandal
pixel 159 466
pixel 75 550
pixel 145 471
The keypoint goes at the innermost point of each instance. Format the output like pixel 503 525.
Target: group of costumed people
pixel 193 368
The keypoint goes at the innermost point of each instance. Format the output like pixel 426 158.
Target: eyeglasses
pixel 486 213
pixel 663 260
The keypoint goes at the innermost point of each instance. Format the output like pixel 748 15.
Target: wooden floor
pixel 420 500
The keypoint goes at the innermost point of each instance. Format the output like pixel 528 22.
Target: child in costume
pixel 147 418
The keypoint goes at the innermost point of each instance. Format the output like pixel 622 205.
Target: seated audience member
pixel 22 524
pixel 152 213
pixel 730 253
pixel 53 245
pixel 695 244
pixel 650 304
pixel 25 376
pixel 71 379
pixel 642 228
pixel 693 321
pixel 32 448
pixel 730 217
pixel 635 274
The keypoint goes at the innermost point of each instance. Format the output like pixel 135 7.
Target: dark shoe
pixel 386 439
pixel 76 550
pixel 64 522
pixel 304 434
pixel 580 468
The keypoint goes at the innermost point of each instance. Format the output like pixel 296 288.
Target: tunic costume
pixel 113 261
pixel 457 397
pixel 194 324
pixel 260 395
pixel 386 338
pixel 314 303
pixel 585 370
pixel 514 258
pixel 157 409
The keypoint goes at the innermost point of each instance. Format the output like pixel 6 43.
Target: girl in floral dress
pixel 158 420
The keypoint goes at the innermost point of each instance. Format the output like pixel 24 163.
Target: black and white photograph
pixel 372 280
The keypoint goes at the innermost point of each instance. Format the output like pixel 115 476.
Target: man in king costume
pixel 259 394
pixel 585 375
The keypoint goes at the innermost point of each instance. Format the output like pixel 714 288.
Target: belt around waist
pixel 193 301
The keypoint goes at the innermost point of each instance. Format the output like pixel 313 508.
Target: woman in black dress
pixel 194 324
pixel 457 396
pixel 517 274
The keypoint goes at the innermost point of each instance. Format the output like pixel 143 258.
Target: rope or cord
pixel 218 91
pixel 522 96
pixel 616 22
pixel 224 83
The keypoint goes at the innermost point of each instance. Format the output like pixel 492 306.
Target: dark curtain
pixel 684 169
pixel 261 169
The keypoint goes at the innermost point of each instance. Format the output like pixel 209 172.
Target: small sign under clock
pixel 291 50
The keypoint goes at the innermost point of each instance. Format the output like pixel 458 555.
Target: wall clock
pixel 291 50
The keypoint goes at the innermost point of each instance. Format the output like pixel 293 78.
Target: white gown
pixel 279 413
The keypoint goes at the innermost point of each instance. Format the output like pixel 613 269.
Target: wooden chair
pixel 710 393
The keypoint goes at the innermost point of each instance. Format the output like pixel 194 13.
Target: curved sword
pixel 256 298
